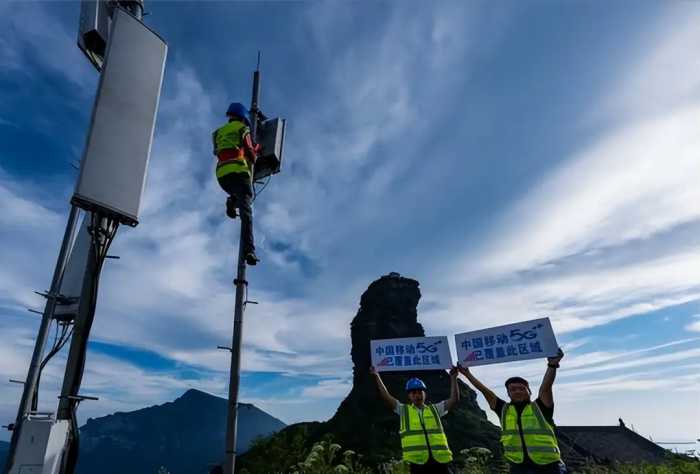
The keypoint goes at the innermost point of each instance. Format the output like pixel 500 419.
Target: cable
pixel 256 192
pixel 35 394
pixel 101 240
pixel 58 344
pixel 55 335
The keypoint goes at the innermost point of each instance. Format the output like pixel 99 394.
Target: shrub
pixel 326 457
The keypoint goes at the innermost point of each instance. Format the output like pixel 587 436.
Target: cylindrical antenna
pixel 255 100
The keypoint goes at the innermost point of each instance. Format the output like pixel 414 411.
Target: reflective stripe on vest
pixel 540 440
pixel 233 166
pixel 231 137
pixel 413 436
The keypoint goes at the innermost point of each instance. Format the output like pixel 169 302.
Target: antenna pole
pixel 254 109
pixel 32 379
pixel 241 291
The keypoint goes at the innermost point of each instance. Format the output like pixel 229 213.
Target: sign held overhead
pixel 520 341
pixel 411 353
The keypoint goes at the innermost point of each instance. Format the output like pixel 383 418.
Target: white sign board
pixel 520 341
pixel 411 353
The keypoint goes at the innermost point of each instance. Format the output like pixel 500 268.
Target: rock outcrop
pixel 362 422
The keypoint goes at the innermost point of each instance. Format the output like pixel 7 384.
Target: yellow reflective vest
pixel 418 441
pixel 540 440
pixel 230 138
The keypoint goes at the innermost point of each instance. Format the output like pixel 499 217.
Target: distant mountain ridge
pixel 185 436
pixel 4 447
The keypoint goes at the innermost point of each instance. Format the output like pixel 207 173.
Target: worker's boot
pixel 231 208
pixel 251 258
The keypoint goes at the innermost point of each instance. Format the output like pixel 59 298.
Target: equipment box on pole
pixel 270 136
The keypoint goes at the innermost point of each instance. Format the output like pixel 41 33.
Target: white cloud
pixel 33 34
pixel 628 186
pixel 591 358
pixel 580 369
pixel 576 300
pixel 664 58
pixel 26 229
pixel 646 362
pixel 695 325
pixel 336 388
pixel 600 237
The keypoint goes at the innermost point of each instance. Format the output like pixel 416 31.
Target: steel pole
pixel 241 284
pixel 33 373
pixel 235 374
pixel 75 365
pixel 82 325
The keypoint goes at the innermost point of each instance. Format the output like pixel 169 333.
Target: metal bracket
pixel 79 398
pixel 66 318
pixel 240 282
pixel 224 348
pixel 21 382
pixel 59 298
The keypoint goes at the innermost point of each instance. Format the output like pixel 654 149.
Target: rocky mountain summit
pixel 388 309
pixel 185 436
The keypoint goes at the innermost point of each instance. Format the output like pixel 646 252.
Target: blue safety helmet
pixel 415 384
pixel 239 110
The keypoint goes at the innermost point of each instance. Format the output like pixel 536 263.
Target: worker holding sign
pixel 423 439
pixel 528 438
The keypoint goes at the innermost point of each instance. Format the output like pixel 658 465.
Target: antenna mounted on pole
pixel 268 132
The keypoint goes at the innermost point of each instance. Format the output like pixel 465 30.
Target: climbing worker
pixel 423 440
pixel 236 153
pixel 528 438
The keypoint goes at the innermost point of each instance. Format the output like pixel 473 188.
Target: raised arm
pixel 491 397
pixel 383 392
pixel 251 149
pixel 545 394
pixel 454 389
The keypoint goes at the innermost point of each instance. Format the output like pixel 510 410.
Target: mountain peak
pixel 184 435
pixel 193 394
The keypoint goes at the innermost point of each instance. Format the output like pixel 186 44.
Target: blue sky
pixel 518 159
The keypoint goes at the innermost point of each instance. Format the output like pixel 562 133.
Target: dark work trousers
pixel 430 467
pixel 240 188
